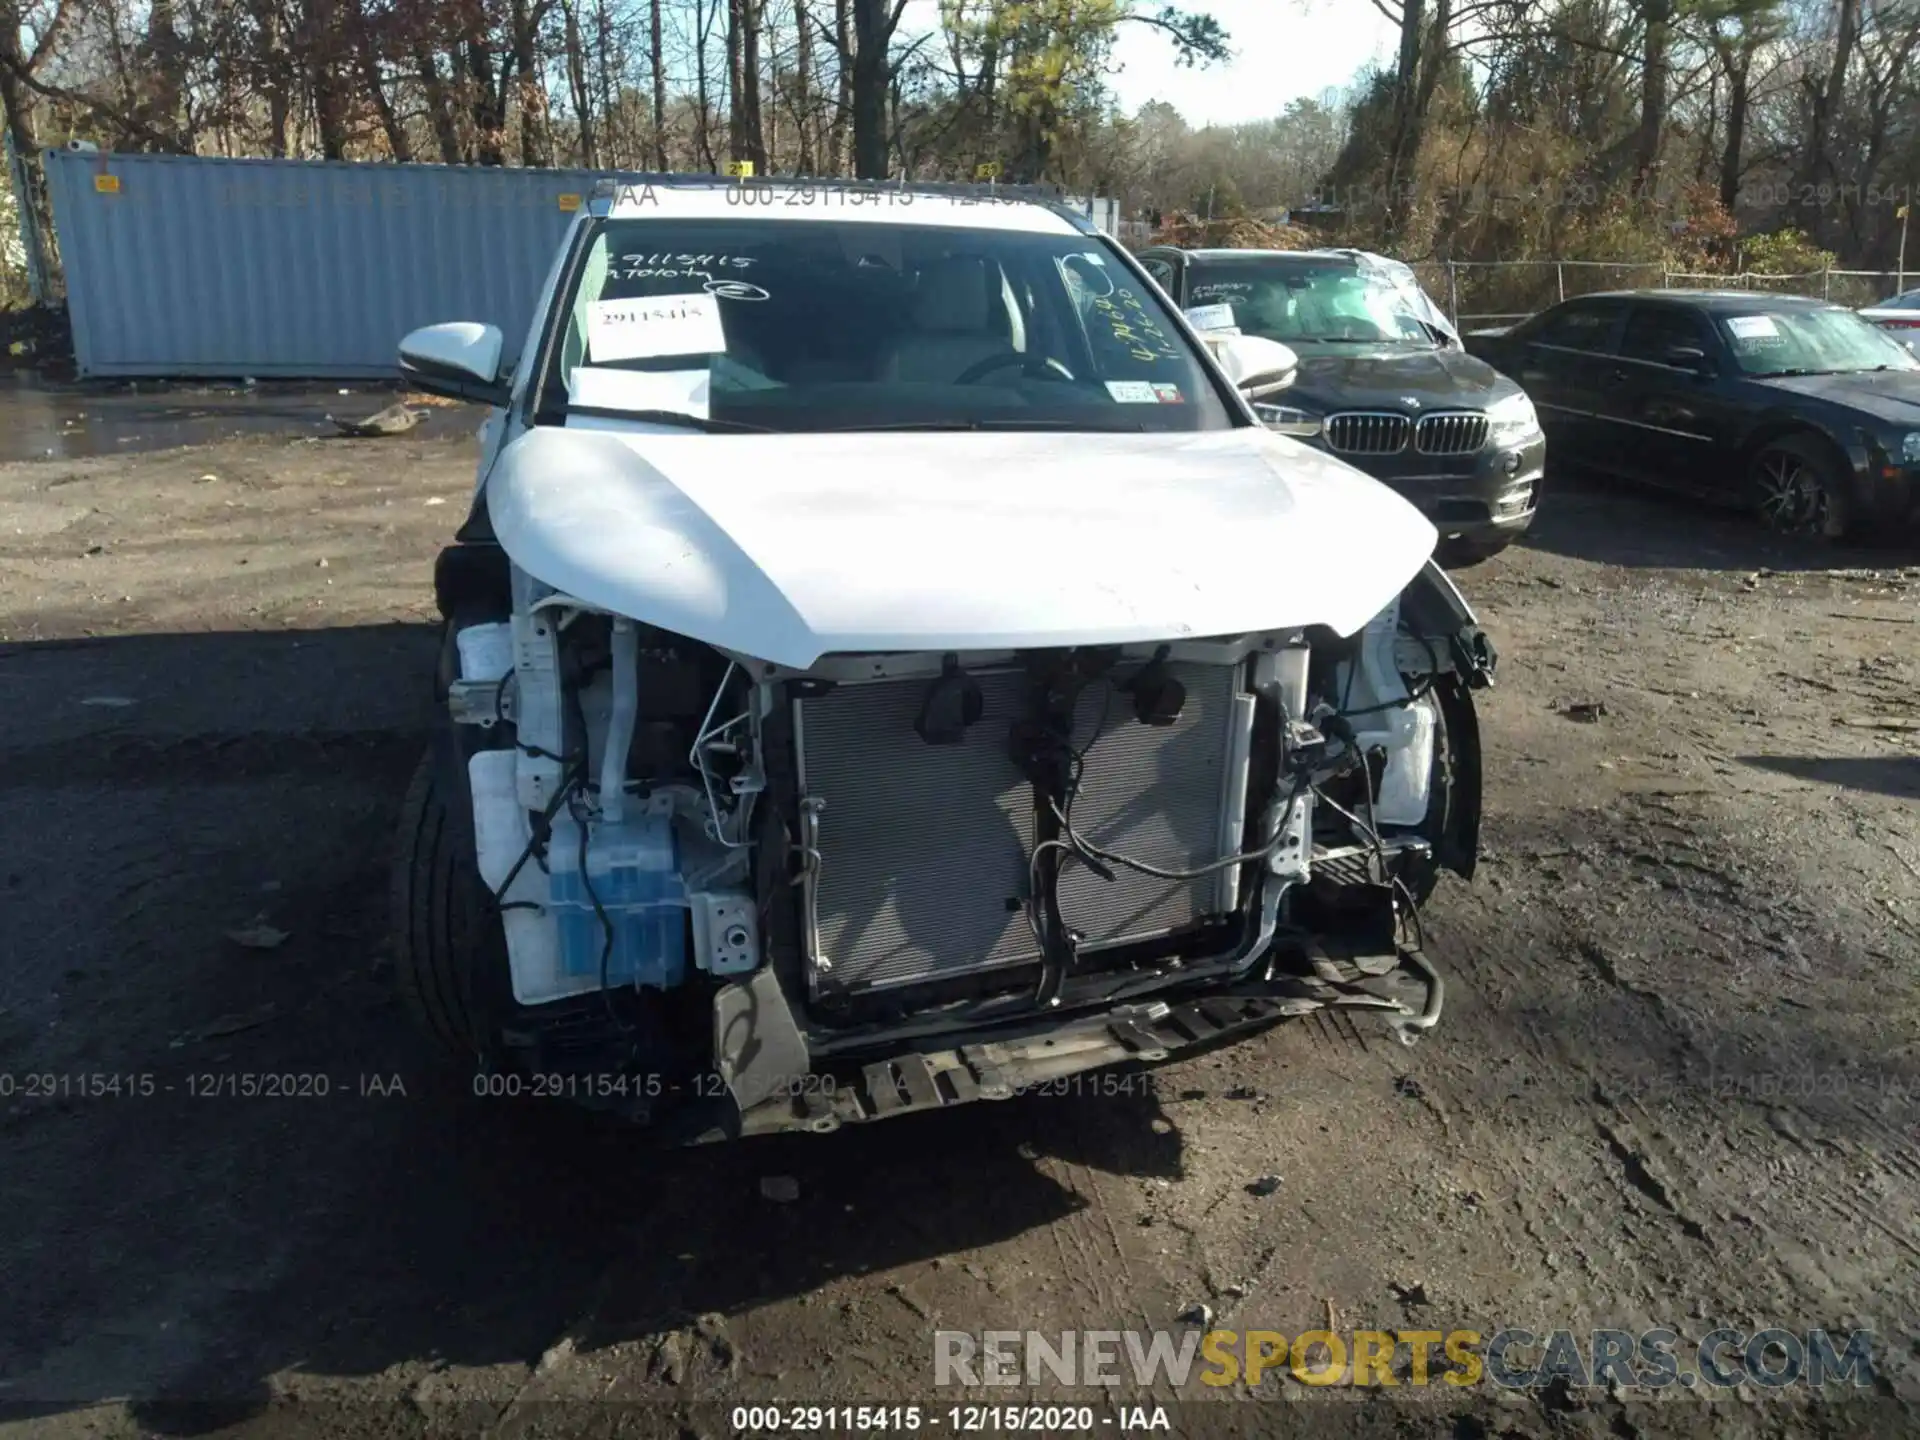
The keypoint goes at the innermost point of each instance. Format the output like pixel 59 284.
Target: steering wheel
pixel 1031 368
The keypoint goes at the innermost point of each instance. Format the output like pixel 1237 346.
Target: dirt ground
pixel 1676 1085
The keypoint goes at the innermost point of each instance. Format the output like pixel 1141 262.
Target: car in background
pixel 1900 315
pixel 1383 381
pixel 1793 408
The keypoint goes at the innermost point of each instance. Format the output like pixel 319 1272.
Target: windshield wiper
pixel 679 418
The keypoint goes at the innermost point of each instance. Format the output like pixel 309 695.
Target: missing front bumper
pixel 1405 988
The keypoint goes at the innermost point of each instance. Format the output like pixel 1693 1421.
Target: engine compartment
pixel 898 848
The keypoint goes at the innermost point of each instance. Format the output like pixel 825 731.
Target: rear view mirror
pixel 1257 367
pixel 1091 272
pixel 460 361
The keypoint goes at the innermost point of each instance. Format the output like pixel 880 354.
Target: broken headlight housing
pixel 1512 421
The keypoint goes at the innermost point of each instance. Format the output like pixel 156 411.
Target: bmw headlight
pixel 1512 421
pixel 1288 420
pixel 1910 448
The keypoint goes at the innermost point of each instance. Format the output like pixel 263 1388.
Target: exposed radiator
pixel 923 848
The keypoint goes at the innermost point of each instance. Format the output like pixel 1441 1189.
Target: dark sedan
pixel 1794 408
pixel 1382 383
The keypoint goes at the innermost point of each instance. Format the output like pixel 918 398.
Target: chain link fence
pixel 1502 292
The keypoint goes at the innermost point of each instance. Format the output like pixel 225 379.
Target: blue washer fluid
pixel 635 870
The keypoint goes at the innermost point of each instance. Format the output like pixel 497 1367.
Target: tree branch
pixel 128 124
pixel 46 36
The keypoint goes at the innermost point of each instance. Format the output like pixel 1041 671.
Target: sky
pixel 1283 50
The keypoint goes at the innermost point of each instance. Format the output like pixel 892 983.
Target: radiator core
pixel 923 849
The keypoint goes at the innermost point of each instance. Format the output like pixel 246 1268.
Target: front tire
pixel 445 929
pixel 1799 489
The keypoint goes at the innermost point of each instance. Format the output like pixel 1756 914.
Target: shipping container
pixel 180 265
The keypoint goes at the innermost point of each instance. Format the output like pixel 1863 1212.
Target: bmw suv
pixel 1383 382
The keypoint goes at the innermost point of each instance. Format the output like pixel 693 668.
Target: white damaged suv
pixel 887 664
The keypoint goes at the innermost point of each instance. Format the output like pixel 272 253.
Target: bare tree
pixel 18 69
pixel 1737 35
pixel 583 104
pixel 1825 95
pixel 746 140
pixel 656 57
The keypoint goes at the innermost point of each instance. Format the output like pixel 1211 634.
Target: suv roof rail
pixel 606 185
pixel 1054 197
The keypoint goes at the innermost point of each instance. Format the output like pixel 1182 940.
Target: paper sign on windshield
pixel 686 391
pixel 655 325
pixel 1753 327
pixel 1210 317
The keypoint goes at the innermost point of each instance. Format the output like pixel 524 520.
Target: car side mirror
pixel 460 361
pixel 1690 357
pixel 1256 366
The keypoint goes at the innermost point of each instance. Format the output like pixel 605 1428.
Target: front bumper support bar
pixel 1405 988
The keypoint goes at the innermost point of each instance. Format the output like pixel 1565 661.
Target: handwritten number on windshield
pixel 1134 328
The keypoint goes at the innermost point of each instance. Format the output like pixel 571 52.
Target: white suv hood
pixel 790 547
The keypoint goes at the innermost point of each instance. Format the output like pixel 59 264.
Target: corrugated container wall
pixel 192 265
pixel 187 265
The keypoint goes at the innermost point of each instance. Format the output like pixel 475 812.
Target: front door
pixel 1563 367
pixel 1660 405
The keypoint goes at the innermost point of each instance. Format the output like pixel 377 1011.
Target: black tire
pixel 1799 488
pixel 1459 554
pixel 446 931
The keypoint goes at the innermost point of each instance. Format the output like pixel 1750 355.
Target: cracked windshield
pixel 1303 304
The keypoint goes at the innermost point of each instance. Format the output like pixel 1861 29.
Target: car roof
pixel 683 197
pixel 1717 300
pixel 1222 252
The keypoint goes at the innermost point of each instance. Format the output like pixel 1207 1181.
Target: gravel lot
pixel 1677 1083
